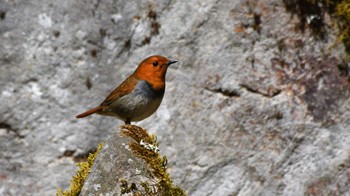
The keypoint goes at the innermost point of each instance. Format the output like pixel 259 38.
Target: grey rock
pixel 129 164
pixel 114 163
pixel 251 108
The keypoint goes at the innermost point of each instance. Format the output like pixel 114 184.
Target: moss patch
pixel 311 13
pixel 342 11
pixel 145 147
pixel 78 180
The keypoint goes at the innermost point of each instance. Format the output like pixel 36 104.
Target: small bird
pixel 140 95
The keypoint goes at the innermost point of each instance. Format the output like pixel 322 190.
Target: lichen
pixel 78 180
pixel 157 163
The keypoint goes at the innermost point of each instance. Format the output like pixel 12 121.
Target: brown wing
pixel 124 88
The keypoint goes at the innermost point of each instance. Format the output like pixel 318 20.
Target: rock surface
pixel 254 107
pixel 115 163
pixel 130 164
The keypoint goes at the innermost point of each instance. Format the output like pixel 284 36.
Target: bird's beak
pixel 171 62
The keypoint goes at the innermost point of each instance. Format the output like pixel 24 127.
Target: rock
pixel 130 165
pixel 114 164
pixel 255 105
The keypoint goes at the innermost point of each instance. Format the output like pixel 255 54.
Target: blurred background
pixel 258 103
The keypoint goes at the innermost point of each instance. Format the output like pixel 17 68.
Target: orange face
pixel 153 70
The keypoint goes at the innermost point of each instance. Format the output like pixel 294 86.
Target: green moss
pixel 145 147
pixel 342 11
pixel 78 180
pixel 311 15
pixel 146 187
pixel 125 188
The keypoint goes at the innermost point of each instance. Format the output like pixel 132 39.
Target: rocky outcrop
pixel 255 105
pixel 130 164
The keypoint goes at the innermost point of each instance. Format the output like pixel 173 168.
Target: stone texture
pixel 130 164
pixel 115 162
pixel 254 106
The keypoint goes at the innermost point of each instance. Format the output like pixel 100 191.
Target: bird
pixel 139 95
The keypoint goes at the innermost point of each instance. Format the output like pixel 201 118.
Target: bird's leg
pixel 127 122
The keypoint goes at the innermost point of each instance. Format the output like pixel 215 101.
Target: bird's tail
pixel 89 112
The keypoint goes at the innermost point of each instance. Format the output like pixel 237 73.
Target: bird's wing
pixel 123 89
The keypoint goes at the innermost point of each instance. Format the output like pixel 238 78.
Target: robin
pixel 140 95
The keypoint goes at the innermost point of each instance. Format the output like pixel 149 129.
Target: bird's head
pixel 153 70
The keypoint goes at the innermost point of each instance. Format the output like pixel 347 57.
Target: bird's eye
pixel 155 63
